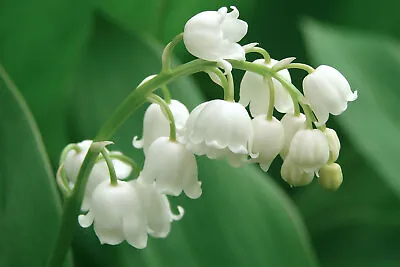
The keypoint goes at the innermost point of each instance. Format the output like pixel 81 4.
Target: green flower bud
pixel 330 176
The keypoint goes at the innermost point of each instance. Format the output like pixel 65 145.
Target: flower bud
pixel 309 150
pixel 268 140
pixel 334 144
pixel 294 175
pixel 330 176
pixel 327 91
pixel 291 124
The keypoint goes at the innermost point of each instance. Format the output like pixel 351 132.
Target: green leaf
pixel 372 65
pixel 242 218
pixel 164 19
pixel 359 224
pixel 40 46
pixel 29 204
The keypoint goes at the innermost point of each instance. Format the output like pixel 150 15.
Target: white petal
pixel 177 217
pixel 86 220
pixel 233 28
pixel 268 140
pixel 309 150
pixel 137 143
pixel 122 169
pixel 135 231
pixel 111 236
pixel 291 124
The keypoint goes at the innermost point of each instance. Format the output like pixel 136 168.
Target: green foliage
pixel 29 205
pixel 372 65
pixel 73 67
pixel 40 46
pixel 232 219
pixel 359 225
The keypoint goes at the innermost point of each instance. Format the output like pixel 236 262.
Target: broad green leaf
pixel 29 203
pixel 40 46
pixel 372 65
pixel 163 19
pixel 359 224
pixel 242 218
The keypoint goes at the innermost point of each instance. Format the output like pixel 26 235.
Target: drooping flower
pixel 156 124
pixel 172 167
pixel 330 176
pixel 309 150
pixel 327 91
pixel 334 144
pixel 213 36
pixel 268 140
pixel 157 209
pixel 291 124
pixel 219 129
pixel 294 175
pixel 73 162
pixel 117 214
pixel 254 91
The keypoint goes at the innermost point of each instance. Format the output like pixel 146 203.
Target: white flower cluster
pixel 224 129
pixel 219 129
pixel 128 210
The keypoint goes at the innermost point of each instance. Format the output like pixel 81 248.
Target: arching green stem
pixel 166 93
pixel 229 93
pixel 271 98
pixel 126 160
pixel 67 149
pixel 167 53
pixel 110 165
pixel 221 79
pixel 164 106
pixel 260 51
pixel 309 115
pixel 300 66
pixel 136 98
pixel 265 70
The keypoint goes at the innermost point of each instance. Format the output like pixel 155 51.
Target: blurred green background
pixel 74 61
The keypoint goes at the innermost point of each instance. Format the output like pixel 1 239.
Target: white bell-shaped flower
pixel 334 144
pixel 156 123
pixel 254 91
pixel 219 129
pixel 294 175
pixel 309 150
pixel 117 214
pixel 73 162
pixel 291 124
pixel 213 35
pixel 268 140
pixel 327 91
pixel 157 209
pixel 172 167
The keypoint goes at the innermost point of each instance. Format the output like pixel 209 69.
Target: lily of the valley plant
pixel 125 202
